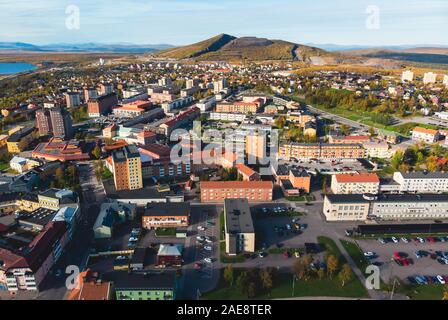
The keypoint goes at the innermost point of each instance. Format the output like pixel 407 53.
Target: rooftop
pixel 141 281
pixel 238 216
pixel 167 209
pixel 357 178
pixel 236 185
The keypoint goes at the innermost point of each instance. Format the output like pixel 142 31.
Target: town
pixel 284 188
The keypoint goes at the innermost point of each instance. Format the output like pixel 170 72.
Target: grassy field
pixel 357 255
pixel 428 292
pixel 284 288
pixel 330 247
pixel 308 198
pixel 229 259
pixel 166 232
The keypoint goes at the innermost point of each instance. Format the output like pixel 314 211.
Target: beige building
pixel 239 227
pixel 346 207
pixel 355 183
pixel 256 144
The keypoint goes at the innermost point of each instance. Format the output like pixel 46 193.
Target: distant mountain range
pixel 84 47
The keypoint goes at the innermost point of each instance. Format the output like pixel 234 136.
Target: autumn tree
pixel 332 265
pixel 96 152
pixel 266 277
pixel 229 275
pixel 346 274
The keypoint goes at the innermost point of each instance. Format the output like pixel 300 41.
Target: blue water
pixel 15 67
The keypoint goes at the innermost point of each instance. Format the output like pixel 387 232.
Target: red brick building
pixel 254 191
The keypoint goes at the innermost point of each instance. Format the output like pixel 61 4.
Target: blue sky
pixel 185 21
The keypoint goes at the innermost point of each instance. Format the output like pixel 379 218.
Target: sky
pixel 179 22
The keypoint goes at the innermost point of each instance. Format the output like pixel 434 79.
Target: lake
pixel 15 67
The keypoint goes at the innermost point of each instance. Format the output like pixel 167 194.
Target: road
pixel 53 288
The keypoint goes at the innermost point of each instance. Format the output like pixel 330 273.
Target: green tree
pixel 280 122
pixel 396 160
pixel 345 129
pixel 321 274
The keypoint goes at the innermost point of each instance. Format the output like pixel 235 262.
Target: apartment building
pixel 247 173
pixel 378 150
pixel 20 140
pixel 181 120
pixel 425 135
pixel 349 139
pixel 127 168
pixel 239 227
pixel 407 75
pixel 206 104
pixel 385 207
pixel 72 99
pixel 422 182
pixel 256 146
pixel 254 191
pixel 429 77
pixel 102 105
pixel 321 151
pixel 56 121
pixel 231 117
pixel 239 107
pixel 177 104
pixel 166 215
pixel 355 183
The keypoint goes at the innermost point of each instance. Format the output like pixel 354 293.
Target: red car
pixel 431 240
pixel 287 255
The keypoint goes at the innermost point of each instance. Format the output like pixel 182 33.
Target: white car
pixel 395 240
pixel 209 240
pixel 208 248
pixel 208 260
pixel 288 227
pixel 200 238
pixel 201 228
pixel 405 240
pixel 441 279
pixel 369 254
pixel 421 240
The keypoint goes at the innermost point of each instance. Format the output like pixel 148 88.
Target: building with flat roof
pixel 144 286
pixel 127 168
pixel 239 227
pixel 166 215
pixel 357 207
pixel 101 105
pixel 218 191
pixel 21 139
pixel 422 181
pixel 60 150
pixel 321 151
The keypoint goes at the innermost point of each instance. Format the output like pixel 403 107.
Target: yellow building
pixel 20 140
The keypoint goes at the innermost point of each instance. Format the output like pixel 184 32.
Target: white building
pixel 422 182
pixel 429 77
pixel 445 80
pixel 378 150
pixel 355 183
pixel 385 207
pixel 231 117
pixel 425 135
pixel 442 115
pixel 206 104
pixel 407 75
pixel 177 104
pixel 219 85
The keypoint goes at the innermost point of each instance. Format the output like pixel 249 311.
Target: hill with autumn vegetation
pixel 229 48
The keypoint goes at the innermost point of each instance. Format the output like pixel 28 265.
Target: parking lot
pixel 326 166
pixel 425 265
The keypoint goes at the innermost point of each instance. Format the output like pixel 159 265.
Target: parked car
pixel 200 238
pixel 208 248
pixel 381 240
pixel 405 240
pixel 201 228
pixel 262 254
pixel 441 279
pixel 287 254
pixel 208 260
pixel 348 233
pixel 420 239
pixel 369 254
pixel 395 240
